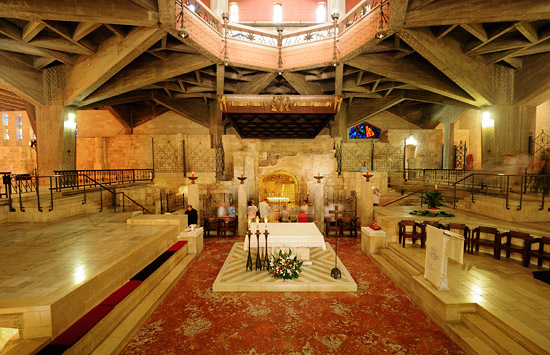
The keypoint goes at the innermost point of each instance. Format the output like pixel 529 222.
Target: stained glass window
pixel 364 130
pixel 19 120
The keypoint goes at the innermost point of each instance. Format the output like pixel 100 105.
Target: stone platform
pixel 50 276
pixel 314 278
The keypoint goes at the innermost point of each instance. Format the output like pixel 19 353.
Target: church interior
pixel 159 158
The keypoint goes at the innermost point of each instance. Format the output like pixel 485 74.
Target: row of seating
pixel 483 236
pixel 341 225
pixel 221 227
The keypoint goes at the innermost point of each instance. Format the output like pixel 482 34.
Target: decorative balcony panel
pixel 256 55
pixel 361 31
pixel 308 54
pixel 203 34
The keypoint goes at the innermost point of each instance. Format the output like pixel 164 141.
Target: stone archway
pixel 280 187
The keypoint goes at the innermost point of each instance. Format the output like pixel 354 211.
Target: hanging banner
pixel 280 103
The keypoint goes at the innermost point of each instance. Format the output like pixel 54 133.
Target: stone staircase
pixel 475 328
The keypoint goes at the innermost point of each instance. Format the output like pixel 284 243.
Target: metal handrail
pixel 404 197
pixel 114 194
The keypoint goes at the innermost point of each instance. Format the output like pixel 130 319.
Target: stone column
pixel 249 172
pixel 448 144
pixel 365 201
pixel 242 204
pixel 69 140
pixel 49 138
pixel 318 200
pixel 193 199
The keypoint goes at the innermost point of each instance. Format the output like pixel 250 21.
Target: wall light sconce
pixel 411 140
pixel 70 123
pixel 486 120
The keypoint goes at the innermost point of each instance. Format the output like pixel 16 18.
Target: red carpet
pixel 379 318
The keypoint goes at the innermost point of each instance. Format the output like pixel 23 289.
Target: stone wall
pixel 428 152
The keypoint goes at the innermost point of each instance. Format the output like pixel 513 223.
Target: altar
pixel 298 237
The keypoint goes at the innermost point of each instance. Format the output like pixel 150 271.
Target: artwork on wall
pixel 364 130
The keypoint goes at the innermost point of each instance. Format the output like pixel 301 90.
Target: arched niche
pixel 280 187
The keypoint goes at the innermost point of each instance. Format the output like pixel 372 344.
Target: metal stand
pixel 258 259
pixel 335 273
pixel 249 259
pixel 266 257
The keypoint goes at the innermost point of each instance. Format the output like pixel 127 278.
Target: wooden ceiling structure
pixel 127 57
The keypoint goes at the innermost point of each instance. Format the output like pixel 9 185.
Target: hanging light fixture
pixel 182 32
pixel 381 33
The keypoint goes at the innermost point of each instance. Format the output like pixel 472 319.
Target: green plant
pixel 402 190
pixel 433 198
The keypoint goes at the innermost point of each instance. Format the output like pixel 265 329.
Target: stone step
pixel 468 341
pixel 103 331
pixel 492 335
pixel 125 330
pixel 402 279
pixel 405 259
pixel 524 335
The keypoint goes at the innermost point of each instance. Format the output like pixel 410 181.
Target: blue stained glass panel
pixel 364 130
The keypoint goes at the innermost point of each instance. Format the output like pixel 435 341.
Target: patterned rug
pixel 379 318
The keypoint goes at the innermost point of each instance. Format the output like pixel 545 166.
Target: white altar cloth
pixel 286 235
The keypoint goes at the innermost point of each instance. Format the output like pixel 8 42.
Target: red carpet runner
pixel 379 318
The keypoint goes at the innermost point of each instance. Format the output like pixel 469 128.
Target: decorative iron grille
pixel 542 143
pixel 168 158
pixel 201 158
pixel 460 151
pixel 346 202
pixel 388 158
pixel 355 155
pixel 209 203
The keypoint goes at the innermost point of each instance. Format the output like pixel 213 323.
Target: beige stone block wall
pixel 543 118
pixel 471 120
pixel 97 123
pixel 428 150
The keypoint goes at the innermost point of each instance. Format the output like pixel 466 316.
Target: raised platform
pixel 314 278
pixel 53 273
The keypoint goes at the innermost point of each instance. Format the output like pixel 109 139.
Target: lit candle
pixel 192 174
pixel 436 186
pixel 242 175
pixel 318 174
pixel 265 221
pixel 367 173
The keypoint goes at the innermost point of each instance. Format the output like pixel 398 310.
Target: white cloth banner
pixel 440 246
pixel 287 235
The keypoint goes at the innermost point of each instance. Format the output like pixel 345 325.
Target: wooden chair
pixel 417 231
pixel 228 225
pixel 540 253
pixel 348 224
pixel 515 248
pixel 465 232
pixel 476 239
pixel 211 224
pixel 331 225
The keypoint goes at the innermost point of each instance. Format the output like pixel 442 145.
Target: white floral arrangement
pixel 285 266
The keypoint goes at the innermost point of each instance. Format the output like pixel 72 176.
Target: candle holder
pixel 266 257
pixel 319 178
pixel 368 176
pixel 249 259
pixel 241 178
pixel 258 259
pixel 192 178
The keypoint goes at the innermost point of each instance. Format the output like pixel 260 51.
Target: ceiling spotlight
pixel 226 62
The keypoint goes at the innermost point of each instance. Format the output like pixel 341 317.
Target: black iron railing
pixel 513 187
pixel 438 176
pixel 78 178
pixel 170 202
pixel 421 192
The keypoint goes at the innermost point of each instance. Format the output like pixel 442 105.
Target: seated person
pixel 221 210
pixel 285 215
pixel 375 197
pixel 302 217
pixel 232 210
pixel 192 216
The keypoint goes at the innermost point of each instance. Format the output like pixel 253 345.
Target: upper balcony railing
pixel 358 26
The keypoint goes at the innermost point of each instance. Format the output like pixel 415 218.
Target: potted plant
pixel 402 190
pixel 433 199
